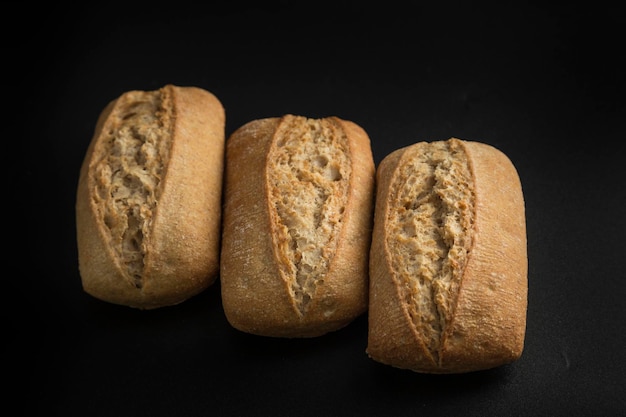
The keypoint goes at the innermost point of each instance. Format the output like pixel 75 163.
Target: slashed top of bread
pixel 131 164
pixel 430 234
pixel 308 174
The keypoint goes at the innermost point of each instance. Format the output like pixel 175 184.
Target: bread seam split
pixel 430 235
pixel 308 174
pixel 129 172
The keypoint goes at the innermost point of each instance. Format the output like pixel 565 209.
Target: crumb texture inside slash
pixel 308 175
pixel 132 150
pixel 430 225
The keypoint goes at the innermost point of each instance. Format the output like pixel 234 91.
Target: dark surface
pixel 543 84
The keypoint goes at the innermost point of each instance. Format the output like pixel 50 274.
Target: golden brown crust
pixel 257 295
pixel 181 249
pixel 488 324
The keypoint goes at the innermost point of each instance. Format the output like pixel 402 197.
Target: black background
pixel 544 84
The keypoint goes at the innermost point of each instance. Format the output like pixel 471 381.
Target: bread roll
pixel 148 203
pixel 448 262
pixel 298 212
